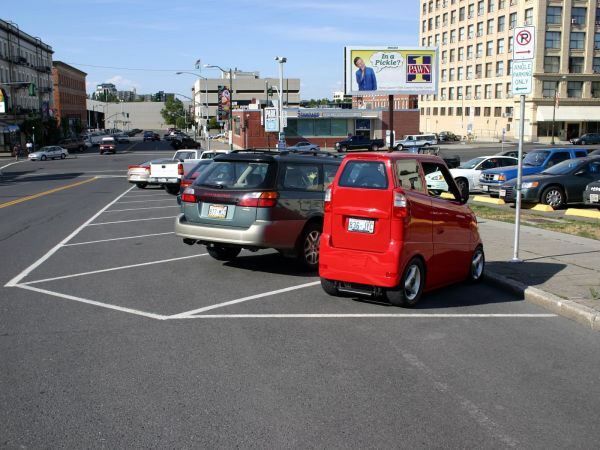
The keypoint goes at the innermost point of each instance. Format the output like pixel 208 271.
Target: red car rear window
pixel 364 175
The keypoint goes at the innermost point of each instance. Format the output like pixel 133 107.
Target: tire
pixel 63 156
pixel 583 143
pixel 141 185
pixel 408 293
pixel 343 149
pixel 477 265
pixel 223 253
pixel 329 287
pixel 463 187
pixel 398 148
pixel 82 149
pixel 101 152
pixel 172 189
pixel 307 249
pixel 426 144
pixel 43 158
pixel 374 147
pixel 553 196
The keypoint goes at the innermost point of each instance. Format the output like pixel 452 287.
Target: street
pixel 114 334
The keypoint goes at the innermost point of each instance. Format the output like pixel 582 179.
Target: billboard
pixel 390 70
pixel 224 106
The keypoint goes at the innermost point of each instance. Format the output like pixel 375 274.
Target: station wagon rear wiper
pixel 218 186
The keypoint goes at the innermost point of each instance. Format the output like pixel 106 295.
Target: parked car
pixel 359 143
pixel 536 161
pixel 511 153
pixel 467 174
pixel 448 136
pixel 72 144
pixel 140 174
pixel 591 195
pixel 585 139
pixel 190 176
pixel 210 154
pixel 49 152
pixel 108 145
pixel 122 138
pixel 560 184
pixel 594 152
pixel 303 146
pixel 259 199
pixel 169 173
pixel 413 141
pixel 151 136
pixel 184 142
pixel 383 235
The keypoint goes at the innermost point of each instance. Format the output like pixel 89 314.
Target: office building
pixel 106 90
pixel 69 96
pixel 475 40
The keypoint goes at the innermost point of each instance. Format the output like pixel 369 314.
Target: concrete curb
pixel 566 308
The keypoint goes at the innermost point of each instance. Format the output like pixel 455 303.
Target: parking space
pixel 127 258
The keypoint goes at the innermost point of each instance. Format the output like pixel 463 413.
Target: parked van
pixel 416 141
pixel 385 234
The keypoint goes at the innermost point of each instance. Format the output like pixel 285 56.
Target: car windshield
pixel 235 175
pixel 563 167
pixel 471 163
pixel 535 158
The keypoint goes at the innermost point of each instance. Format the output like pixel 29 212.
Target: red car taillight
pixel 400 205
pixel 259 199
pixel 327 199
pixel 189 196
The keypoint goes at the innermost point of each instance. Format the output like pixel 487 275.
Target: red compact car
pixel 396 226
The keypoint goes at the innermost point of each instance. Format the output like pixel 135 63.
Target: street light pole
pixel 281 60
pixel 556 86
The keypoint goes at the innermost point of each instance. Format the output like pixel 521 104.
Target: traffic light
pixel 32 89
pixel 270 91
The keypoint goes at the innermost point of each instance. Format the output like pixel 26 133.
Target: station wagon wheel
pixel 43 157
pixel 308 248
pixel 409 291
pixel 553 196
pixel 477 265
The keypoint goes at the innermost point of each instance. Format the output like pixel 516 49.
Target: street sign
pixel 522 76
pixel 271 120
pixel 523 43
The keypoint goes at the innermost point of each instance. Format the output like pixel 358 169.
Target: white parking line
pixel 118 239
pixel 145 201
pixel 112 269
pixel 139 209
pixel 352 316
pixel 93 302
pixel 16 280
pixel 132 220
pixel 186 314
pixel 161 193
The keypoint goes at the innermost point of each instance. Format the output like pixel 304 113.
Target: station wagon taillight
pixel 259 199
pixel 400 204
pixel 327 200
pixel 189 196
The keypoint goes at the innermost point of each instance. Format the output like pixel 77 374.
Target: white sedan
pixel 50 151
pixel 467 174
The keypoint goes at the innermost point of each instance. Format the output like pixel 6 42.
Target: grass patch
pixel 562 225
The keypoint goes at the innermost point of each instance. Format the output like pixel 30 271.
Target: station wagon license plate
pixel 361 225
pixel 595 198
pixel 217 211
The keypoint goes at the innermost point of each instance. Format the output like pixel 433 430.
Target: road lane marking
pixel 244 299
pixel 12 163
pixel 118 239
pixel 112 269
pixel 132 220
pixel 93 302
pixel 139 209
pixel 13 282
pixel 365 315
pixel 44 193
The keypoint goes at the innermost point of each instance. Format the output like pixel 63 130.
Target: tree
pixel 172 111
pixel 213 124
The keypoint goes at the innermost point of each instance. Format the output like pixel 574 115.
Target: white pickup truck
pixel 170 173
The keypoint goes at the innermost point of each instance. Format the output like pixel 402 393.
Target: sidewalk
pixel 559 271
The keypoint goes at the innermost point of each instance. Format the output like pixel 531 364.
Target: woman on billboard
pixel 365 76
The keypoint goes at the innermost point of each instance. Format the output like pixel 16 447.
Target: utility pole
pixel 281 144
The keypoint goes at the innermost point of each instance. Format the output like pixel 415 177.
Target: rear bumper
pixel 261 234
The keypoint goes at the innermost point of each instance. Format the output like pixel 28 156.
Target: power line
pixel 126 68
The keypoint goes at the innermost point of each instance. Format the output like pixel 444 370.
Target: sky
pixel 107 38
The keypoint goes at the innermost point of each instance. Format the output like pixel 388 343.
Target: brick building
pixel 69 95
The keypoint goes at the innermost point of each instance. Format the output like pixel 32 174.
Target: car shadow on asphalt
pixel 22 177
pixel 272 263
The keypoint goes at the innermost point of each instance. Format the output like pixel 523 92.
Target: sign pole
pixel 391 120
pixel 519 182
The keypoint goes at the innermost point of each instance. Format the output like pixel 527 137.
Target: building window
pixel 490 26
pixel 576 64
pixel 469 72
pixel 451 94
pixel 498 93
pixel 480 29
pixel 480 8
pixel 488 91
pixel 554 15
pixel 470 52
pixel 553 39
pixel 510 66
pixel 577 41
pixel 461 34
pixel 501 23
pixel 450 111
pixel 451 78
pixel 490 6
pixel 471 10
pixel 489 50
pixel 488 70
pixel 551 64
pixel 468 111
pixel 459 111
pixel 574 89
pixel 595 89
pixel 500 68
pixel 461 14
pixel 596 64
pixel 487 111
pixel 497 111
pixel 453 16
pixel 435 111
pixel 477 111
pixel 500 46
pixel 578 15
pixel 478 71
pixel 468 90
pixel 508 90
pixel 461 53
pixel 479 52
pixel 471 31
pixel 510 44
pixel 549 89
pixel 442 111
pixel 460 74
pixel 512 20
pixel 529 16
pixel 459 94
pixel 444 72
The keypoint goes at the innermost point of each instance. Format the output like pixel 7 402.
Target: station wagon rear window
pixel 236 175
pixel 364 175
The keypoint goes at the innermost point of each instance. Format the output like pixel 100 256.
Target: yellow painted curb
pixel 41 194
pixel 589 213
pixel 447 195
pixel 543 208
pixel 494 201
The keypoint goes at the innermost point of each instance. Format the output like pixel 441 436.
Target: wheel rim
pixel 412 282
pixel 477 264
pixel 553 198
pixel 311 247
